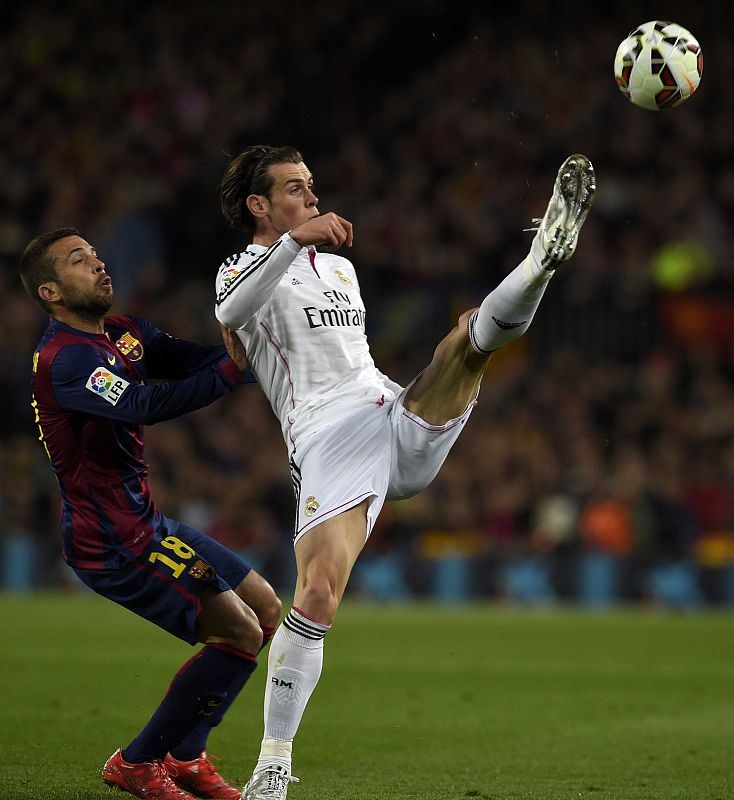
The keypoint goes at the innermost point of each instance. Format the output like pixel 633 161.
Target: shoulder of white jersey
pixel 337 261
pixel 239 267
pixel 343 268
pixel 239 259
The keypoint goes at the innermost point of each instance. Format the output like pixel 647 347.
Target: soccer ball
pixel 658 65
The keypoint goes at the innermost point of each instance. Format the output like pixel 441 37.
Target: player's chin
pixel 107 298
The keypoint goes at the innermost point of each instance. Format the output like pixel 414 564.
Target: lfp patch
pixel 107 385
pixel 229 274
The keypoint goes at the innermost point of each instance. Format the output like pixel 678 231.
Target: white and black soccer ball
pixel 658 65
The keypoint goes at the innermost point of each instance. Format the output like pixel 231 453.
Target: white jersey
pixel 300 316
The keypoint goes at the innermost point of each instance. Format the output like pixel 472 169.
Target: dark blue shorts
pixel 163 584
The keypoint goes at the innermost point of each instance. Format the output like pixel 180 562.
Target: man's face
pixel 82 283
pixel 292 200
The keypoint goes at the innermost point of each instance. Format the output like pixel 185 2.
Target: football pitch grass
pixel 416 701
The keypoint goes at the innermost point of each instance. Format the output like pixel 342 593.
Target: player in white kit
pixel 355 437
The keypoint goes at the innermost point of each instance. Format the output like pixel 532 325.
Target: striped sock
pixel 294 667
pixel 297 622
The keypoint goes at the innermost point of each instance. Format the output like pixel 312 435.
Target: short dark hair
pixel 37 265
pixel 248 173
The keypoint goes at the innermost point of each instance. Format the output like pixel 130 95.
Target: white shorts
pixel 378 452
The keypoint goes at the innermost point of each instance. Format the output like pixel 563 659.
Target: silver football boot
pixel 573 194
pixel 268 784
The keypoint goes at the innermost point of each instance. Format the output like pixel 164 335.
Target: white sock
pixel 507 312
pixel 294 666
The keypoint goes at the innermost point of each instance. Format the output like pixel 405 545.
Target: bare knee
pixel 318 598
pixel 456 349
pixel 260 596
pixel 226 619
pixel 269 615
pixel 246 634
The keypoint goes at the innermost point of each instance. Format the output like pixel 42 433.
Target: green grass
pixel 415 701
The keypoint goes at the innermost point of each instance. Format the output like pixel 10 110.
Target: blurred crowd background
pixel 599 463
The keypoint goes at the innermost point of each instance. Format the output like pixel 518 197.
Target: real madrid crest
pixel 311 506
pixel 344 279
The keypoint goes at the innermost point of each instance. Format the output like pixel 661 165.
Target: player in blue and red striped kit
pixel 92 398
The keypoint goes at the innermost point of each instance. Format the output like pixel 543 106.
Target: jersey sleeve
pixel 243 290
pixel 83 381
pixel 167 357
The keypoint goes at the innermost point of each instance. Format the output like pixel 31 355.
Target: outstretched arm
pixel 83 380
pixel 171 358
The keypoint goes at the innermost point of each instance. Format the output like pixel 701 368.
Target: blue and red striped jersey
pixel 92 398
